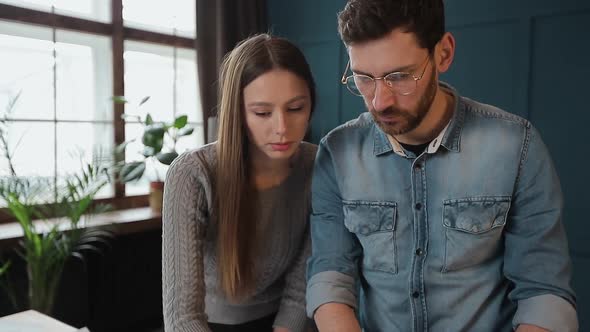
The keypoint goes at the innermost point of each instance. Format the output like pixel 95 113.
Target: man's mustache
pixel 391 110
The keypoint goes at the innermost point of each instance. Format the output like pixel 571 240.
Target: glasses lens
pixel 360 85
pixel 401 83
pixel 351 86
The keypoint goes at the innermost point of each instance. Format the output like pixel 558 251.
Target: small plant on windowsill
pixel 156 150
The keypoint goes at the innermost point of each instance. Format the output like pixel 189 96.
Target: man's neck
pixel 434 122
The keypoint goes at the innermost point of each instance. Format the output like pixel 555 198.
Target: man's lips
pixel 387 118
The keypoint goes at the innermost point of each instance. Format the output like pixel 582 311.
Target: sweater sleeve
pixel 291 312
pixel 184 220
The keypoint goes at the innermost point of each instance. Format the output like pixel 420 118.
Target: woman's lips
pixel 280 146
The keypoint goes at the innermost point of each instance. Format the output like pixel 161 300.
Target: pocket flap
pixel 477 214
pixel 362 217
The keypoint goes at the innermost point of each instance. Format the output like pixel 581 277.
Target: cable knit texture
pixel 191 295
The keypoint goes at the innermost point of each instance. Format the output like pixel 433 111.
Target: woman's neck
pixel 266 173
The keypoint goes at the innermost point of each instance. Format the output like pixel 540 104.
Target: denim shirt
pixel 467 236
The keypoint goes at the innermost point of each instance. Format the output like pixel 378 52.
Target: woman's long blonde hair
pixel 236 217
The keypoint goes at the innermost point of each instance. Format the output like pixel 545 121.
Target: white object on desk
pixel 32 321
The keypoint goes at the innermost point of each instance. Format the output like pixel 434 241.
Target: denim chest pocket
pixel 373 223
pixel 473 230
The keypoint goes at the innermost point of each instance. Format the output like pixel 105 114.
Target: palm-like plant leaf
pixel 5 284
pixel 47 252
pixel 132 171
pixel 4 268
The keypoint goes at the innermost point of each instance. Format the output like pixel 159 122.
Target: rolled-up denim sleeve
pixel 536 256
pixel 333 266
pixel 548 311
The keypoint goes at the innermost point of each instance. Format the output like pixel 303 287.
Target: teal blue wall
pixel 530 57
pixel 312 25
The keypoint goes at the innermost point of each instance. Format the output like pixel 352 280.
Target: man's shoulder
pixel 490 113
pixel 359 126
pixel 488 123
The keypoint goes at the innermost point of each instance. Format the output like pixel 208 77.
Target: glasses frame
pixel 345 78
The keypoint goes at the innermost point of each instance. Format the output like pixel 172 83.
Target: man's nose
pixel 383 97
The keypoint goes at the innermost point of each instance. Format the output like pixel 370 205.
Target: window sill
pixel 126 221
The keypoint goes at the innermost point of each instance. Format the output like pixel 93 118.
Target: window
pixel 63 107
pixel 97 10
pixel 168 77
pixel 172 17
pixel 63 73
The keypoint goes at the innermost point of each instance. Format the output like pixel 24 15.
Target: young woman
pixel 235 219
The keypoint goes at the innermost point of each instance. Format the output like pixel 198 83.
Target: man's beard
pixel 408 120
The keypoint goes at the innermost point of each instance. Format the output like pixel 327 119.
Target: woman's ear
pixel 445 52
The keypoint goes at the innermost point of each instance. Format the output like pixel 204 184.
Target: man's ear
pixel 444 52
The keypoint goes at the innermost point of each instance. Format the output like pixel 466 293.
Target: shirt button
pixel 419 252
pixel 418 166
pixel 415 294
pixel 418 206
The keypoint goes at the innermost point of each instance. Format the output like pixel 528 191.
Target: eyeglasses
pixel 399 82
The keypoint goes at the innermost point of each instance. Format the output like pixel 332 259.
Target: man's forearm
pixel 336 317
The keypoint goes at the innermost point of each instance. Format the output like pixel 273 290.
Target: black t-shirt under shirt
pixel 417 149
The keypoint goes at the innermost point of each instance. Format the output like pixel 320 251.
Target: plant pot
pixel 156 196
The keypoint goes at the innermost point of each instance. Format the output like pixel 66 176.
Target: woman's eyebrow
pixel 258 103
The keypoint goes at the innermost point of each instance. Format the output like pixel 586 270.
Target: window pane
pixel 84 80
pixel 32 148
pixel 161 16
pixel 26 64
pixel 79 143
pixel 149 71
pixel 195 140
pixel 97 10
pixel 84 77
pixel 32 144
pixel 188 97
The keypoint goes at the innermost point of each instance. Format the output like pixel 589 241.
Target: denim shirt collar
pixel 452 138
pixel 451 133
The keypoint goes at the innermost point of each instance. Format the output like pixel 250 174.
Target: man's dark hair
pixel 367 20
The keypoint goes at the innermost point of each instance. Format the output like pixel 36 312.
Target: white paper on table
pixel 33 321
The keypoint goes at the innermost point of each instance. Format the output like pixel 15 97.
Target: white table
pixel 33 321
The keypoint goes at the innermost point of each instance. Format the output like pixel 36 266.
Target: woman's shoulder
pixel 308 151
pixel 306 158
pixel 200 161
pixel 205 154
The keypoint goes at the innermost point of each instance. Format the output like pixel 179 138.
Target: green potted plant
pixel 46 252
pixel 156 149
pixel 28 199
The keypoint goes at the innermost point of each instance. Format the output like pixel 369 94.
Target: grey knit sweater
pixel 191 295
